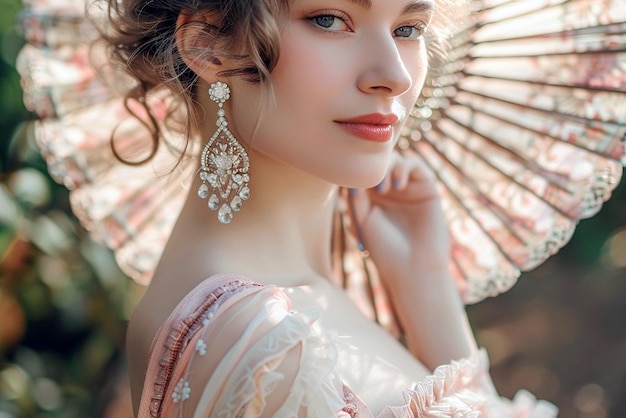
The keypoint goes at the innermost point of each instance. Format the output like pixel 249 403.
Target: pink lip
pixel 375 127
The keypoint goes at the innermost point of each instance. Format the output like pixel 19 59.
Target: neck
pixel 282 235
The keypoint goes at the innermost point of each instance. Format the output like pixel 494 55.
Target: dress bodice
pixel 235 348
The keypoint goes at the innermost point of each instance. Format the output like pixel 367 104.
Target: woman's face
pixel 348 74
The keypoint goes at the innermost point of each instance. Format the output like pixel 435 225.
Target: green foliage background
pixel 561 332
pixel 63 302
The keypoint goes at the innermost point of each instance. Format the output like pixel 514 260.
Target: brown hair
pixel 142 36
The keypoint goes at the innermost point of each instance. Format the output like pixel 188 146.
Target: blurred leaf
pixel 10 212
pixel 10 8
pixel 14 384
pixel 30 187
pixel 51 237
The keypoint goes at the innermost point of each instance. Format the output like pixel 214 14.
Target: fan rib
pixel 528 164
pixel 453 195
pixel 610 29
pixel 547 54
pixel 546 175
pixel 552 112
pixel 540 83
pixel 119 218
pixel 514 16
pixel 495 208
pixel 514 156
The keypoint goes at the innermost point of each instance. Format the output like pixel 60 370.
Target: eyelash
pixel 419 27
pixel 334 14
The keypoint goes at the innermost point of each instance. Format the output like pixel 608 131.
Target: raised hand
pixel 401 221
pixel 403 228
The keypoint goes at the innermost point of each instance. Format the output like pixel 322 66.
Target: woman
pixel 293 100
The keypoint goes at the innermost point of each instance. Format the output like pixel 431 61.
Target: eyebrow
pixel 366 4
pixel 420 6
pixel 415 6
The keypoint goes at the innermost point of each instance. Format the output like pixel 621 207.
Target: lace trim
pixel 254 376
pixel 463 389
pixel 349 398
pixel 181 333
pixel 316 386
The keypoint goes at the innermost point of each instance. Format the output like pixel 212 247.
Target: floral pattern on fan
pixel 69 82
pixel 524 128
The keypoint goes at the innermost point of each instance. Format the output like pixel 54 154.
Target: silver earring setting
pixel 224 164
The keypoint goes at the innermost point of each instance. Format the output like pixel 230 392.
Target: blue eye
pixel 330 22
pixel 326 21
pixel 411 32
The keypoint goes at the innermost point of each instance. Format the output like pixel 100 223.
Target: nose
pixel 385 71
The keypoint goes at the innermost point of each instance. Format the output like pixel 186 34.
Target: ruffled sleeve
pixel 464 389
pixel 229 350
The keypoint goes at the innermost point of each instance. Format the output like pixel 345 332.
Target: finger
pixel 422 177
pixel 420 171
pixel 387 182
pixel 400 174
pixel 406 169
pixel 413 175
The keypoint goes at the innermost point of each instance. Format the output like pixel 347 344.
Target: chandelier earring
pixel 224 164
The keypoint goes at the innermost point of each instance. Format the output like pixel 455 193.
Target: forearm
pixel 424 294
pixel 432 315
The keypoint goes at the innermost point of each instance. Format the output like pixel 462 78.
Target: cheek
pixel 417 65
pixel 245 109
pixel 307 83
pixel 306 69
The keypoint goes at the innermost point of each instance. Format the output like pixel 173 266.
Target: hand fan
pixel 523 125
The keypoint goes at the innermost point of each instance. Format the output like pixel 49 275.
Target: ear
pixel 195 45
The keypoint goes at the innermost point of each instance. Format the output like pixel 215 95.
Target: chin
pixel 358 173
pixel 358 178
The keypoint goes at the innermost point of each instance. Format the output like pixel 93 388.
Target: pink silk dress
pixel 220 353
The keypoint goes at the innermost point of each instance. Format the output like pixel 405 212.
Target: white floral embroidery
pixel 201 347
pixel 181 391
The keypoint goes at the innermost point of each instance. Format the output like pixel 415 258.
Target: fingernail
pixel 396 184
pixel 353 192
pixel 379 188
